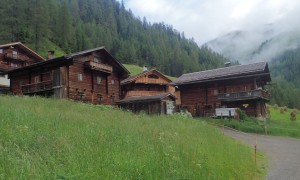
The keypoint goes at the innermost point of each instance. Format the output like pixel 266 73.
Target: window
pixel 81 59
pixel 99 79
pixel 153 76
pixel 112 82
pixel 96 60
pixel 215 92
pixel 15 54
pixel 80 77
pixel 100 98
pixel 37 79
pixel 13 65
pixel 1 51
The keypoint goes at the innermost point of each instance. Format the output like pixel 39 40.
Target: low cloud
pixel 207 19
pixel 271 22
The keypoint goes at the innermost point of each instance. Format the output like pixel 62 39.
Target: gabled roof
pixel 222 73
pixel 145 73
pixel 68 58
pixel 146 98
pixel 24 48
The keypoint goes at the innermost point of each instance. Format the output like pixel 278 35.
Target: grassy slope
pixel 48 139
pixel 279 124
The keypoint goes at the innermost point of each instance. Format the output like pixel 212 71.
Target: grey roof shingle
pixel 219 73
pixel 145 98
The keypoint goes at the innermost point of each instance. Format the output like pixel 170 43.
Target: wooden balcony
pixel 142 93
pixel 245 95
pixel 99 66
pixel 37 87
pixel 18 57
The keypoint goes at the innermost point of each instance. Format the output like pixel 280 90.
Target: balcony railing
pixel 16 57
pixel 142 93
pixel 254 94
pixel 37 87
pixel 99 66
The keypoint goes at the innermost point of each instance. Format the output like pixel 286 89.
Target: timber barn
pixel 239 86
pixel 91 76
pixel 149 92
pixel 12 56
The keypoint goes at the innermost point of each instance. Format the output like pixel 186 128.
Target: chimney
pixel 227 64
pixel 51 55
pixel 145 68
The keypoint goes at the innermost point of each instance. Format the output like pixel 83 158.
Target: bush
pixel 293 116
pixel 242 114
pixel 281 110
pixel 285 109
pixel 295 110
pixel 275 106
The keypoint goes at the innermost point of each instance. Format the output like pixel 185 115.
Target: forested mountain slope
pixel 285 70
pixel 73 25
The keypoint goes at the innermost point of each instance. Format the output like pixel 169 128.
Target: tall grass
pixel 51 139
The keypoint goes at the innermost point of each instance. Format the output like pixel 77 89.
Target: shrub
pixel 285 108
pixel 275 106
pixel 242 114
pixel 281 110
pixel 295 110
pixel 293 116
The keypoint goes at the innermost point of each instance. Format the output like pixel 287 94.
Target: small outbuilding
pixel 149 91
pixel 156 104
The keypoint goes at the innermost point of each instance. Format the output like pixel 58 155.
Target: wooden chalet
pixel 239 86
pixel 91 76
pixel 12 56
pixel 148 91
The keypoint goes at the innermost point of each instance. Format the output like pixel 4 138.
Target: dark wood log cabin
pixel 148 91
pixel 239 86
pixel 12 56
pixel 91 76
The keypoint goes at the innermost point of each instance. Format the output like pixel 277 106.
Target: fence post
pixel 255 149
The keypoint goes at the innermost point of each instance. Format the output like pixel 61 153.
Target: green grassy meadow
pixel 279 124
pixel 55 139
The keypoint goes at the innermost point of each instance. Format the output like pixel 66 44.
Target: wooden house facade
pixel 239 86
pixel 148 91
pixel 92 76
pixel 12 56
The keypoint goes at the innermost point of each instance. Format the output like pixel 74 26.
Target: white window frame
pixel 99 79
pixel 15 54
pixel 80 77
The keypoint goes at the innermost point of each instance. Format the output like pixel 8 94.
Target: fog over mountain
pixel 259 43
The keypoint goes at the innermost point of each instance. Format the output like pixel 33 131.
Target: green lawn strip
pixel 279 124
pixel 57 139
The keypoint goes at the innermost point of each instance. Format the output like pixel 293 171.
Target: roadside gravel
pixel 283 153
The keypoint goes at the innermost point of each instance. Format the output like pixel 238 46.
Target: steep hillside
pixel 50 139
pixel 77 25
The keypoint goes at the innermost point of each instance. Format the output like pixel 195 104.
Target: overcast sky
pixel 207 19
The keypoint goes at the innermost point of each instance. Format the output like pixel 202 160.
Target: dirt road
pixel 283 153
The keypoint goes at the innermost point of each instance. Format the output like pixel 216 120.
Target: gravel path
pixel 283 153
